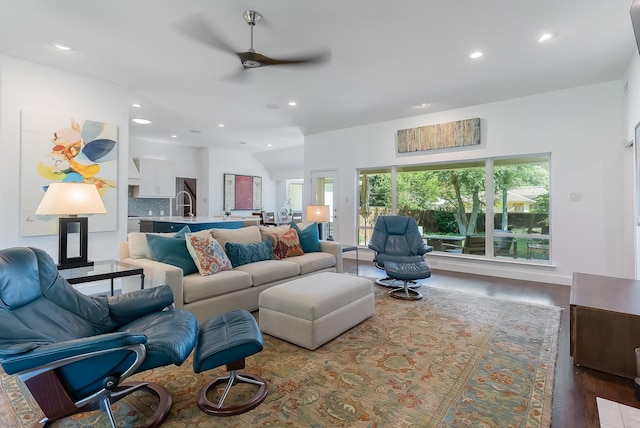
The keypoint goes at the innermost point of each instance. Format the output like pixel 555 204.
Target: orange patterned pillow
pixel 287 245
pixel 207 253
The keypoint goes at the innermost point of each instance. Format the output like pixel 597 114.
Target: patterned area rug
pixel 450 359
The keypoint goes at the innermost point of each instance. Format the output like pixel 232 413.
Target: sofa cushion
pixel 242 254
pixel 244 235
pixel 172 251
pixel 312 262
pixel 197 287
pixel 270 270
pixel 287 245
pixel 138 247
pixel 309 238
pixel 207 253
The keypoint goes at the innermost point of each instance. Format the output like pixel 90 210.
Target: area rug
pixel 451 359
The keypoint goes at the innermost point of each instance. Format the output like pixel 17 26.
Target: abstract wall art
pixel 242 192
pixel 441 136
pixel 63 148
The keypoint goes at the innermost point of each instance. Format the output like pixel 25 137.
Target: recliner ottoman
pixel 311 311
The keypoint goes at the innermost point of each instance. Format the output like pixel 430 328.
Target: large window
pixel 456 212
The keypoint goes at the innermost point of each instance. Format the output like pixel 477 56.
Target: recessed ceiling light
pixel 476 55
pixel 293 103
pixel 136 105
pixel 62 47
pixel 423 105
pixel 221 125
pixel 545 37
pixel 174 136
pixel 269 145
pixel 141 121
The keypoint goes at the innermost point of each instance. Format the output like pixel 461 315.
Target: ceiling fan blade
pixel 197 28
pixel 265 60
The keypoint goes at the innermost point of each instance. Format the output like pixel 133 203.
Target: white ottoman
pixel 311 311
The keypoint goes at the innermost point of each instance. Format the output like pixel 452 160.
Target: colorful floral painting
pixel 63 148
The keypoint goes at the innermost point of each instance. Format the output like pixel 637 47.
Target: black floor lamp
pixel 68 200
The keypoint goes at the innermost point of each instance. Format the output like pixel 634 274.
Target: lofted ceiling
pixel 387 58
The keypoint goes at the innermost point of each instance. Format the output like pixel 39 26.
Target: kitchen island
pixel 175 223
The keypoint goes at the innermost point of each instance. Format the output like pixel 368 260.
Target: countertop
pixel 197 219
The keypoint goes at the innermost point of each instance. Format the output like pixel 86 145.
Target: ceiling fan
pixel 196 28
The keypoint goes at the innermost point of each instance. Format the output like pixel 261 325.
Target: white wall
pixel 232 162
pixel 25 85
pixel 208 166
pixel 583 129
pixel 632 118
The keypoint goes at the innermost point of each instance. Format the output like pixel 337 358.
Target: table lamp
pixel 320 214
pixel 68 200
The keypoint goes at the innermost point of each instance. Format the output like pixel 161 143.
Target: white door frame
pixel 323 174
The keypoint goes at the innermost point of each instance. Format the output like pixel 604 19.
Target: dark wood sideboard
pixel 605 323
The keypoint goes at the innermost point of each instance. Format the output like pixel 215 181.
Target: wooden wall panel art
pixel 441 136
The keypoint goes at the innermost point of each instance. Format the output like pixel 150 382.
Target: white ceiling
pixel 386 58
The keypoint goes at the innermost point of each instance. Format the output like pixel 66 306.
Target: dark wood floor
pixel 576 388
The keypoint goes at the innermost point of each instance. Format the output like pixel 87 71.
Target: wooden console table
pixel 605 323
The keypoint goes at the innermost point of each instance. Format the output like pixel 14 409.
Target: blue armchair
pixel 73 351
pixel 397 239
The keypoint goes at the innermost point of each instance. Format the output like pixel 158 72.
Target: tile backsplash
pixel 140 207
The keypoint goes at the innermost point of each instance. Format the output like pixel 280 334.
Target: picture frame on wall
pixel 242 192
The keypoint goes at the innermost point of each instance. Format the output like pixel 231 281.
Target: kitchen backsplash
pixel 140 207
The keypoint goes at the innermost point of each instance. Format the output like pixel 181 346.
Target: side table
pixel 353 248
pixel 605 320
pixel 102 270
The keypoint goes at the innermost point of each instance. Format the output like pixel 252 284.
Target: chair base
pixel 389 282
pixel 232 379
pixel 405 293
pixel 162 411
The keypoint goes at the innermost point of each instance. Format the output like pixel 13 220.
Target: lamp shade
pixel 71 199
pixel 318 213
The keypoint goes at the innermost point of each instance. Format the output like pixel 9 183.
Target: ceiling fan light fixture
pixel 249 63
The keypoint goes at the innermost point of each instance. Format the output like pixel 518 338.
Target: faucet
pixel 190 204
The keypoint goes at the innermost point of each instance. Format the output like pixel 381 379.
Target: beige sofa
pixel 208 296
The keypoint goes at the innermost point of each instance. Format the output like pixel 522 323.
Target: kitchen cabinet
pixel 157 179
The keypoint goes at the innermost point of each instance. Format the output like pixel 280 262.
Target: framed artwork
pixel 64 148
pixel 441 136
pixel 242 192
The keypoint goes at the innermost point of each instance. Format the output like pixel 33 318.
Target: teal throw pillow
pixel 309 239
pixel 172 251
pixel 242 254
pixel 182 233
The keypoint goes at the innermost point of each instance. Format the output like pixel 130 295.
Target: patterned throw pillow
pixel 242 254
pixel 207 254
pixel 287 245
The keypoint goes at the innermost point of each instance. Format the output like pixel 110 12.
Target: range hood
pixel 134 173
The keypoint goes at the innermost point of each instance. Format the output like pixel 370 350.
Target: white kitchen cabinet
pixel 157 179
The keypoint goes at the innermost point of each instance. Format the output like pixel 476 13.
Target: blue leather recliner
pixel 397 238
pixel 73 351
